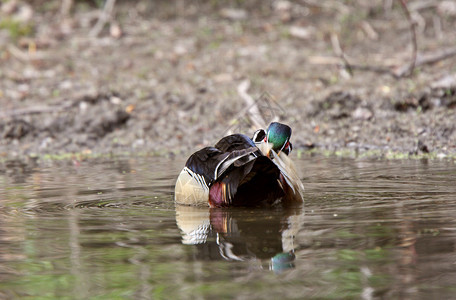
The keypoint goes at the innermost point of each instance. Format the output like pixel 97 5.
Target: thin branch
pixel 339 52
pixel 424 4
pixel 409 69
pixel 105 16
pixel 369 30
pixel 336 5
pixel 405 70
pixel 437 24
pixel 434 57
pixel 66 104
pixel 253 110
pixel 387 6
pixel 25 56
pixel 37 110
pixel 65 8
pixel 422 59
pixel 375 69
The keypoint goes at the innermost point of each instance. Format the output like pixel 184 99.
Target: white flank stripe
pixel 198 178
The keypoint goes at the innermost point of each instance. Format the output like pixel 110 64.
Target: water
pixel 108 229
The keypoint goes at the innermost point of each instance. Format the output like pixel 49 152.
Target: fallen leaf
pixel 129 108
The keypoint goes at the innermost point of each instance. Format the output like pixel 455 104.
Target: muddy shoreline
pixel 167 82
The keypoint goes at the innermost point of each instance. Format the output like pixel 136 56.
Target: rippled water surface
pixel 108 228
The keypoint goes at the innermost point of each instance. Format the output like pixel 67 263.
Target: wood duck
pixel 242 171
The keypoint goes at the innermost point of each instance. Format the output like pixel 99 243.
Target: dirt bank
pixel 162 77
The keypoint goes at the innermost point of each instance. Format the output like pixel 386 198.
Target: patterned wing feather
pixel 288 171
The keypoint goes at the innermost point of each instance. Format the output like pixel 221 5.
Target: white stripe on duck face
pixel 199 178
pixel 284 144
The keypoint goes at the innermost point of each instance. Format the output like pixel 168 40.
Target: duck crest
pixel 239 171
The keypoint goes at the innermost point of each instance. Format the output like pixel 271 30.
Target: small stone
pixel 234 14
pixel 115 100
pixel 362 113
pixel 301 32
pixel 83 106
pixel 115 31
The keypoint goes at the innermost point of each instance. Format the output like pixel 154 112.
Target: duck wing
pixel 210 163
pixel 233 172
pixel 234 142
pixel 229 161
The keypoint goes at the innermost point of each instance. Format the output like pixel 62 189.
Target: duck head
pixel 278 135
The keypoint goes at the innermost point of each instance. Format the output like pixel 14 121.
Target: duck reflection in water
pixel 242 234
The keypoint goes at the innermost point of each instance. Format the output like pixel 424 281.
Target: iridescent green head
pixel 279 135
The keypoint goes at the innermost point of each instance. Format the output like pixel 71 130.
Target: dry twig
pixel 400 72
pixel 105 16
pixel 339 52
pixel 25 56
pixel 252 107
pixel 406 71
pixel 336 5
pixel 422 59
pixel 369 30
pixel 65 8
pixel 64 104
pixel 37 110
pixel 434 57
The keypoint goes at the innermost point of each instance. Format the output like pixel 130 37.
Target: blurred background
pixel 358 78
pixel 167 77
